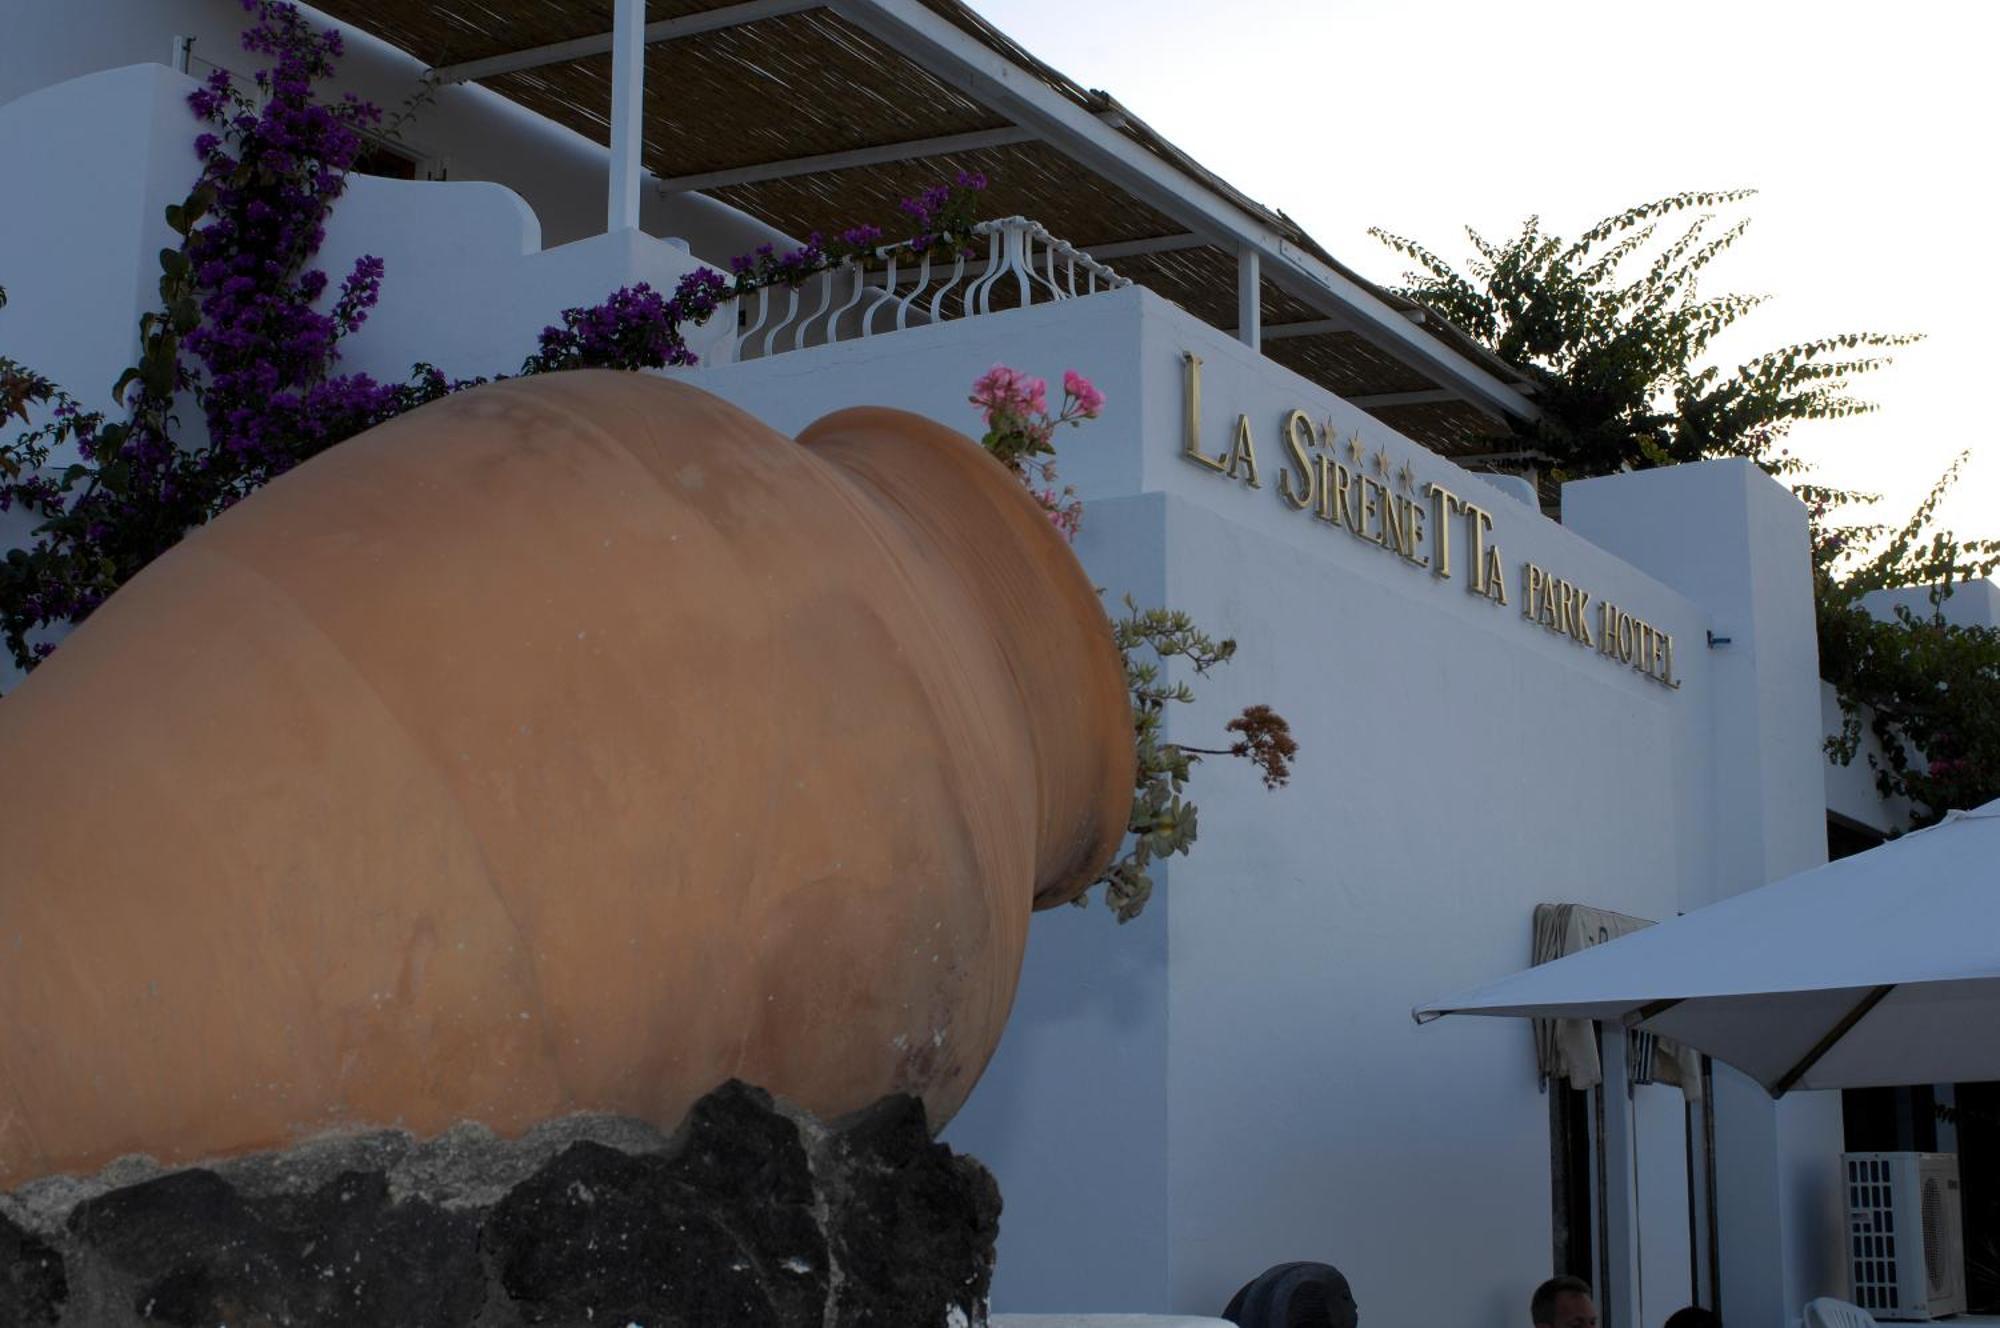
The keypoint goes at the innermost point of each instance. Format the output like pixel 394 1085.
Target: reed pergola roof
pixel 814 115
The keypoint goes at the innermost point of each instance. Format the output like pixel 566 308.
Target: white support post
pixel 183 53
pixel 1249 299
pixel 1704 1240
pixel 628 98
pixel 1618 1289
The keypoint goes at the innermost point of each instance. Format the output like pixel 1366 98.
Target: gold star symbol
pixel 1354 448
pixel 1324 429
pixel 1407 478
pixel 1382 461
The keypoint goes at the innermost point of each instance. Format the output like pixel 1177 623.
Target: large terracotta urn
pixel 573 743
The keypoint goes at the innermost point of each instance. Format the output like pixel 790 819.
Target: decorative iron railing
pixel 900 288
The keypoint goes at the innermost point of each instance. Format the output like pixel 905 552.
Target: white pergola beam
pixel 1435 396
pixel 1158 244
pixel 1312 327
pixel 882 154
pixel 628 100
pixel 915 149
pixel 578 48
pixel 937 44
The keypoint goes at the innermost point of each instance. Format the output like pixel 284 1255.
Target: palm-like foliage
pixel 1614 328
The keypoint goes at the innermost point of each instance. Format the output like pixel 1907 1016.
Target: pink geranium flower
pixel 1002 391
pixel 1020 432
pixel 1089 401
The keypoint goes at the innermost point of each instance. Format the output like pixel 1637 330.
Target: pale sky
pixel 1868 128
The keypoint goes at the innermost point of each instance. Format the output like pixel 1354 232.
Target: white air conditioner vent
pixel 1905 1248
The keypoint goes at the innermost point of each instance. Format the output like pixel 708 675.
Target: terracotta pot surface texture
pixel 573 743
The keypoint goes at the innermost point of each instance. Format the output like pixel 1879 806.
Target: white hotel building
pixel 1234 1079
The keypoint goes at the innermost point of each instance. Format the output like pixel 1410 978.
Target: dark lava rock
pixel 195 1252
pixel 752 1214
pixel 913 1209
pixel 722 1233
pixel 32 1285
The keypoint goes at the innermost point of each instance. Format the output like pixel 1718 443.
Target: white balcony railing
pixel 1024 265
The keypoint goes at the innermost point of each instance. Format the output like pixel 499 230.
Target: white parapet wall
pixel 466 285
pixel 1969 603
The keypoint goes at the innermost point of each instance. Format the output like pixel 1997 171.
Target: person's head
pixel 1694 1316
pixel 1563 1302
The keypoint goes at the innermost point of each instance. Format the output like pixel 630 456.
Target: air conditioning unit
pixel 1906 1250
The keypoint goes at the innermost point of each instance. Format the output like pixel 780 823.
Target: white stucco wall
pixel 1739 547
pixel 1970 604
pixel 1170 1116
pixel 1079 1084
pixel 79 249
pixel 466 284
pixel 1730 537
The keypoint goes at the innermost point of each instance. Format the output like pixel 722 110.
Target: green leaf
pixel 157 365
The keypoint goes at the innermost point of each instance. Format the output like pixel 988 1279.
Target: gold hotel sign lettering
pixel 1347 487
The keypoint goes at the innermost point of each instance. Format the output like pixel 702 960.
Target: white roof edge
pixel 932 40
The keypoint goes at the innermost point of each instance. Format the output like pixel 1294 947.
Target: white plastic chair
pixel 1827 1312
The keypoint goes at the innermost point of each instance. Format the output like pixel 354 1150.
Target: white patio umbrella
pixel 1882 968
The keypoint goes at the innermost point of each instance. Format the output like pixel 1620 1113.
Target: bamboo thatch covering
pixel 810 84
pixel 1026 180
pixel 1448 427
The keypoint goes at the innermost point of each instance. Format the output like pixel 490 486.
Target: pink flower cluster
pixel 1020 432
pixel 1089 401
pixel 1010 397
pixel 1065 512
pixel 1003 394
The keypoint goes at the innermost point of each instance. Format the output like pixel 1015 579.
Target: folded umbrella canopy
pixel 1882 968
